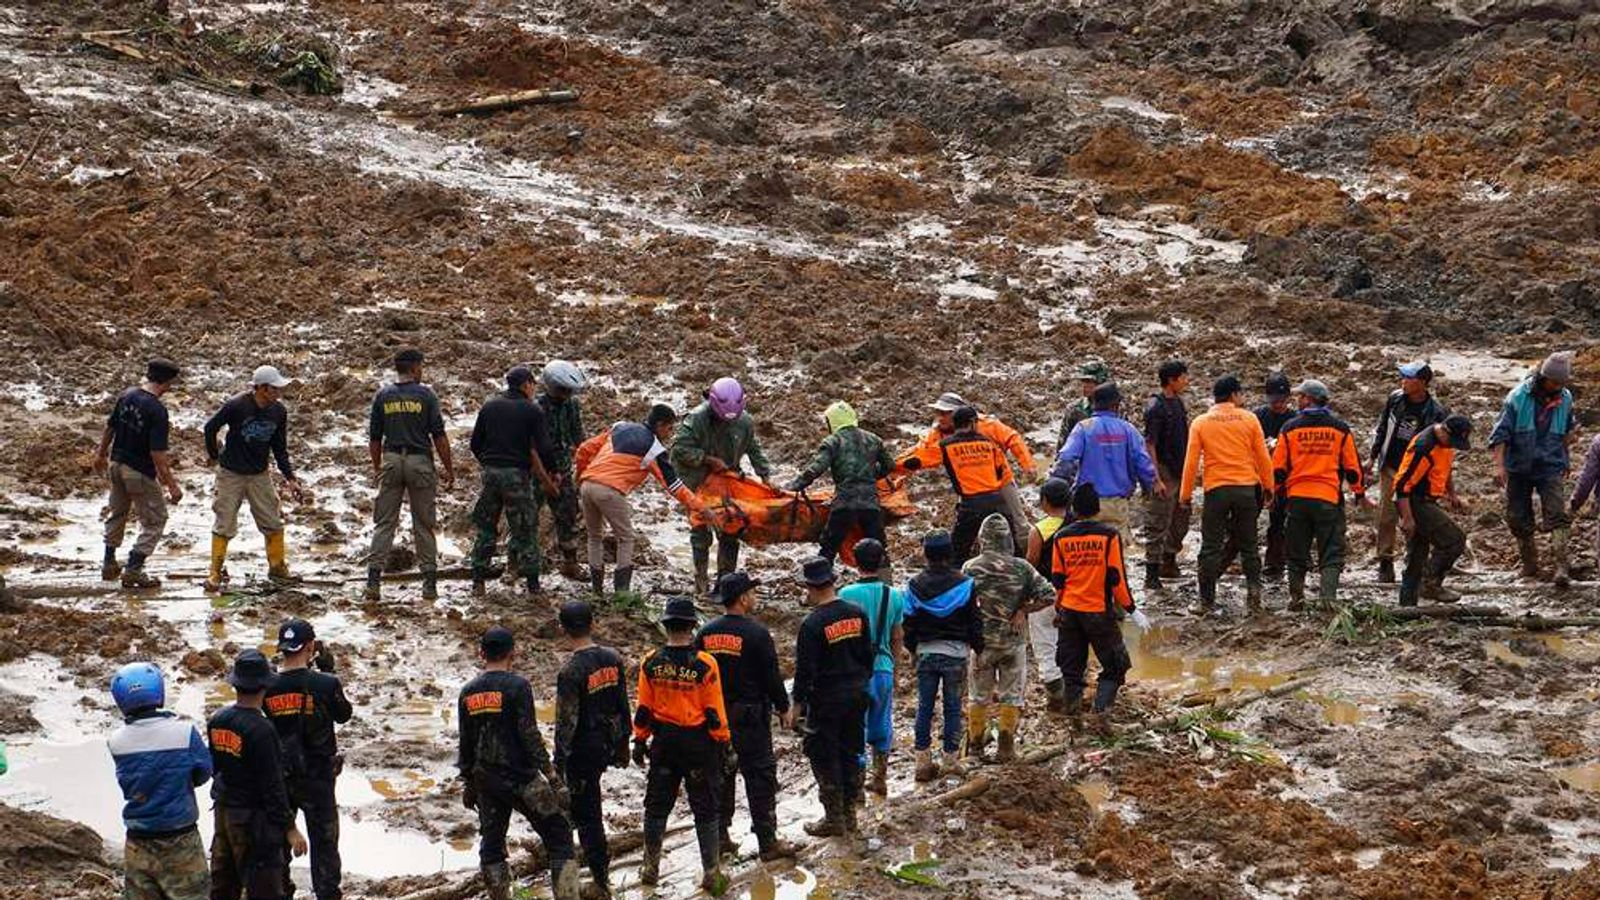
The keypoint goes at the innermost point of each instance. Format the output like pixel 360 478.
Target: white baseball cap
pixel 269 376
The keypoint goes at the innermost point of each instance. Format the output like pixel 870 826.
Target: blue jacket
pixel 1107 452
pixel 1534 449
pixel 160 761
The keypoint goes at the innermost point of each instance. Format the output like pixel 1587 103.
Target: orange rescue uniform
pixel 1009 439
pixel 1235 450
pixel 1087 568
pixel 1315 457
pixel 1425 468
pixel 681 688
pixel 976 464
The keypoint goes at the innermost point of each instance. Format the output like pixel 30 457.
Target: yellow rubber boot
pixel 217 576
pixel 1010 717
pixel 277 560
pixel 977 729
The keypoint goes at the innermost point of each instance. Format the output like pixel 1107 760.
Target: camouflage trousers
pixel 315 798
pixel 564 510
pixel 537 803
pixel 507 490
pixel 166 868
pixel 248 857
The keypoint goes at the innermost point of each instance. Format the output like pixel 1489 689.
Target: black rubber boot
pixel 709 836
pixel 597 580
pixel 1152 577
pixel 373 592
pixel 622 579
pixel 430 586
pixel 533 585
pixel 1105 694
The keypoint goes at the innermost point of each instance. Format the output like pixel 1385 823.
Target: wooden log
pixel 1443 611
pixel 502 102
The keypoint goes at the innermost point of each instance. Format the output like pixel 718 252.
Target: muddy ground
pixel 861 200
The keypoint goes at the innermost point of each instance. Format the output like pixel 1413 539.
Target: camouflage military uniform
pixel 1002 583
pixel 855 459
pixel 565 420
pixel 507 489
pixel 701 434
pixel 167 868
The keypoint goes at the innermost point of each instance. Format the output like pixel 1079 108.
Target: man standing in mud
pixel 133 458
pixel 1009 439
pixel 1091 375
pixel 1105 450
pixel 1433 540
pixel 712 439
pixel 1406 413
pixel 258 428
pixel 255 832
pixel 1312 461
pixel 512 444
pixel 833 659
pixel 855 459
pixel 563 382
pixel 976 467
pixel 1238 481
pixel 592 721
pixel 752 690
pixel 1007 589
pixel 404 431
pixel 1530 441
pixel 505 768
pixel 304 706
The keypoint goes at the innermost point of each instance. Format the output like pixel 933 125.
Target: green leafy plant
pixel 1205 734
pixel 1356 623
pixel 916 874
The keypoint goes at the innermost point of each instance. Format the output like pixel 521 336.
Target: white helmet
pixel 558 373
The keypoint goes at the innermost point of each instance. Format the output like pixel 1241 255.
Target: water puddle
pixel 1338 711
pixel 795 884
pixel 1096 792
pixel 1197 675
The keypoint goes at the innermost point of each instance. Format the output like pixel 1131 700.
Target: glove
pixel 641 753
pixel 1141 620
pixel 469 795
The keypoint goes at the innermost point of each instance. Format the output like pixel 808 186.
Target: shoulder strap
pixel 883 618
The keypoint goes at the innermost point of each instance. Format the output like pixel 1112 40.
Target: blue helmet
pixel 138 686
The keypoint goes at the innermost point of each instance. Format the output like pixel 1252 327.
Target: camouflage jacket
pixel 565 421
pixel 856 459
pixel 1002 583
pixel 702 434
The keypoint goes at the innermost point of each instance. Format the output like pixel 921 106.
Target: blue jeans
pixel 937 673
pixel 880 714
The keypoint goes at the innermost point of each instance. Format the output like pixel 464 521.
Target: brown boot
pixel 1055 693
pixel 1434 590
pixel 1529 552
pixel 832 822
pixel 879 782
pixel 1169 567
pixel 570 569
pixel 1252 599
pixel 1010 717
pixel 927 770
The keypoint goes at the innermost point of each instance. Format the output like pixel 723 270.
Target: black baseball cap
pixel 295 634
pixel 1277 386
pixel 871 555
pixel 497 642
pixel 160 370
pixel 517 376
pixel 408 357
pixel 251 672
pixel 1086 500
pixel 817 571
pixel 1226 387
pixel 680 610
pixel 1460 428
pixel 576 617
pixel 732 586
pixel 964 416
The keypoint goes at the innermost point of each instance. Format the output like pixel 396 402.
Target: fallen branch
pixel 115 48
pixel 31 151
pixel 501 102
pixel 1532 622
pixel 1443 611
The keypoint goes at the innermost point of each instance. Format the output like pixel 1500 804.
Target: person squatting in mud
pixel 505 768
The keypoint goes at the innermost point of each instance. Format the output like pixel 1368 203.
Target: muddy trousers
pixel 605 505
pixel 583 782
pixel 233 490
pixel 1081 632
pixel 1435 545
pixel 315 798
pixel 134 494
pixel 1552 493
pixel 1310 521
pixel 536 801
pixel 700 538
pixel 690 760
pixel 563 510
pixel 752 757
pixel 842 521
pixel 248 855
pixel 970 513
pixel 939 676
pixel 165 868
pixel 508 490
pixel 1229 514
pixel 1016 511
pixel 1165 524
pixel 834 739
pixel 1277 549
pixel 1388 515
pixel 406 477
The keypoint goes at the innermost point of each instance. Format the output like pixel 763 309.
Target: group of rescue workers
pixel 706 700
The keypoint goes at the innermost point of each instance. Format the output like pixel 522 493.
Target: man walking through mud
pixel 856 460
pixel 1433 540
pixel 133 458
pixel 404 431
pixel 832 662
pixel 1531 441
pixel 1408 412
pixel 976 467
pixel 258 428
pixel 1166 440
pixel 303 706
pixel 563 382
pixel 885 608
pixel 505 768
pixel 1009 439
pixel 1007 589
pixel 1314 458
pixel 1238 481
pixel 511 442
pixel 1273 415
pixel 1105 450
pixel 752 691
pixel 592 722
pixel 713 439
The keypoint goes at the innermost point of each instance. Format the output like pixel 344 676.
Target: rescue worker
pixel 1433 540
pixel 1091 580
pixel 1007 589
pixel 681 728
pixel 592 723
pixel 1408 412
pixel 563 382
pixel 1091 374
pixel 505 767
pixel 856 460
pixel 1009 439
pixel 1531 442
pixel 1055 497
pixel 258 427
pixel 609 467
pixel 404 431
pixel 1273 415
pixel 1314 458
pixel 1105 450
pixel 511 441
pixel 1166 437
pixel 885 609
pixel 943 629
pixel 1238 482
pixel 133 458
pixel 976 466
pixel 255 832
pixel 160 760
pixel 304 706
pixel 752 691
pixel 833 660
pixel 714 438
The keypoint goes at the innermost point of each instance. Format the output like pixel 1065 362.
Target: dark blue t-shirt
pixel 138 425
